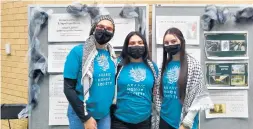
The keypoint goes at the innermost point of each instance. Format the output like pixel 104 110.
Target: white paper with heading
pixel 123 27
pixel 57 56
pixel 68 28
pixel 189 26
pixel 58 104
pixel 229 104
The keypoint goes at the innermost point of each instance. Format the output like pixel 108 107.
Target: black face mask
pixel 172 49
pixel 136 51
pixel 102 36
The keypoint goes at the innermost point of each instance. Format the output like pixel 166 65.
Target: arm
pixel 71 70
pixel 189 119
pixel 197 96
pixel 75 102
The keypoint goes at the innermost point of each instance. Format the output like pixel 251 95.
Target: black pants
pixel 164 125
pixel 118 124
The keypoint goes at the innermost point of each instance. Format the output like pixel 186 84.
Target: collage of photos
pixel 227 74
pixel 224 45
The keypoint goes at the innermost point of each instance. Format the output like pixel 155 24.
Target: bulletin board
pixel 191 11
pixel 39 118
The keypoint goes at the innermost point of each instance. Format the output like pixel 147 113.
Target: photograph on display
pixel 227 75
pixel 237 45
pixel 238 80
pixel 218 109
pixel 212 69
pixel 226 45
pixel 238 69
pixel 219 80
pixel 213 45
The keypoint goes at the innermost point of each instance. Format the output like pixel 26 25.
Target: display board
pixel 61 33
pixel 228 45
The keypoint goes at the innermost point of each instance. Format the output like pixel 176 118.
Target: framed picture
pixel 227 75
pixel 219 80
pixel 218 109
pixel 228 45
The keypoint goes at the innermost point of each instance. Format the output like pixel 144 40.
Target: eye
pixel 173 41
pixel 140 43
pixel 109 29
pixel 131 43
pixel 100 27
pixel 166 43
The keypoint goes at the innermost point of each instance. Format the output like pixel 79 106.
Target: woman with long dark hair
pixel 135 80
pixel 181 93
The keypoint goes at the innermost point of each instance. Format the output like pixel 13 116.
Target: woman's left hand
pixel 182 127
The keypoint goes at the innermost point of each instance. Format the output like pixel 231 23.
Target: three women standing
pixel 89 83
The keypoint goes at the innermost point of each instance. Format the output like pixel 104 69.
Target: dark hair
pixel 124 54
pixel 182 81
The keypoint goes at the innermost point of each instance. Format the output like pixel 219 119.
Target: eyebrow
pixel 135 41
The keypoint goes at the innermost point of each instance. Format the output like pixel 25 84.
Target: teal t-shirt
pixel 134 96
pixel 102 90
pixel 171 106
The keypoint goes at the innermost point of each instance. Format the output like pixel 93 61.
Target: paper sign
pixel 68 28
pixel 123 27
pixel 189 26
pixel 58 103
pixel 56 57
pixel 228 104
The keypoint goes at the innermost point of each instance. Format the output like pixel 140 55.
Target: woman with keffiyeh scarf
pixel 181 93
pixel 89 78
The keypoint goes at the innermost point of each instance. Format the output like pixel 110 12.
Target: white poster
pixel 58 111
pixel 189 25
pixel 228 104
pixel 195 53
pixel 123 27
pixel 56 57
pixel 56 86
pixel 58 103
pixel 65 28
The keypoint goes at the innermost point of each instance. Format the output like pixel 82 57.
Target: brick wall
pixel 14 71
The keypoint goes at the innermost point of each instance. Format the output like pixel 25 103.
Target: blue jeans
pixel 76 123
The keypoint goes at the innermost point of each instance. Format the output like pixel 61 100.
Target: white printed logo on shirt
pixel 103 62
pixel 138 74
pixel 172 74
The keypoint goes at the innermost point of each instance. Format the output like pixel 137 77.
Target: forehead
pixel 135 38
pixel 170 37
pixel 105 22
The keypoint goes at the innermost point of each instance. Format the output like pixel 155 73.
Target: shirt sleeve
pixel 189 118
pixel 72 64
pixel 75 102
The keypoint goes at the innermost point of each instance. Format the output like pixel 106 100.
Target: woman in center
pixel 135 80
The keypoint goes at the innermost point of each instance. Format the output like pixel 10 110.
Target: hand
pixel 90 124
pixel 183 127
